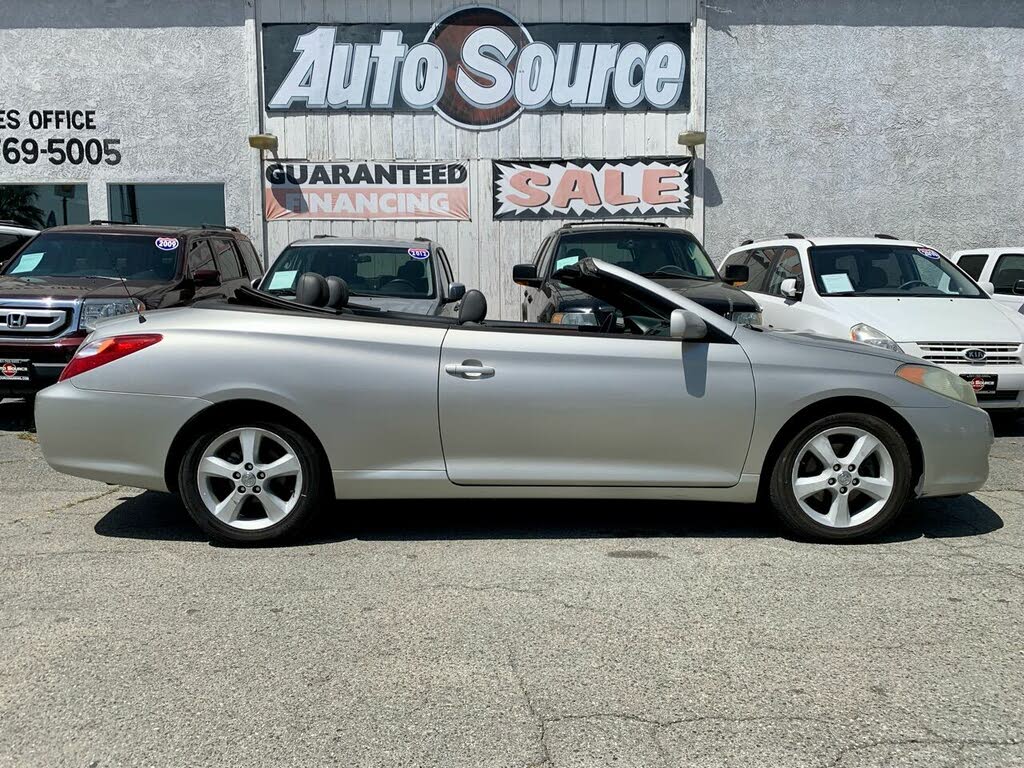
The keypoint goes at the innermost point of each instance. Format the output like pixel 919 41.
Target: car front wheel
pixel 250 483
pixel 842 478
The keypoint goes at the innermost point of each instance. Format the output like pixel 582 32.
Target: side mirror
pixel 526 274
pixel 686 325
pixel 791 288
pixel 737 273
pixel 987 287
pixel 256 283
pixel 206 278
pixel 455 292
pixel 1018 288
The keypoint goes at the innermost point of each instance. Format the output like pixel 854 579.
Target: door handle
pixel 469 369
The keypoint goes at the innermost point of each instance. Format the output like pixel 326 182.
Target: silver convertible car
pixel 257 410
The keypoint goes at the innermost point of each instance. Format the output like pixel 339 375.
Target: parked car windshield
pixel 887 270
pixel 651 254
pixel 369 270
pixel 85 254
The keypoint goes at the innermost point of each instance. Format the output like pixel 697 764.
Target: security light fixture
pixel 263 141
pixel 692 139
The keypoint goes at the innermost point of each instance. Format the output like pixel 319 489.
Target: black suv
pixel 671 257
pixel 67 279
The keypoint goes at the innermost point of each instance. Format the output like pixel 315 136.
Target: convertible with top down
pixel 256 410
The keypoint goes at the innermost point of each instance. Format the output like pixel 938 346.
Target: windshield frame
pixel 569 237
pixel 44 236
pixel 942 263
pixel 431 268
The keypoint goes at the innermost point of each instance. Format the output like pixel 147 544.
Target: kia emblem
pixel 974 354
pixel 16 320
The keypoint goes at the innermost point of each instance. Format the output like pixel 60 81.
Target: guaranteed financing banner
pixel 367 191
pixel 591 189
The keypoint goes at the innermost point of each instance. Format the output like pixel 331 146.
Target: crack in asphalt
pixel 71 504
pixel 936 740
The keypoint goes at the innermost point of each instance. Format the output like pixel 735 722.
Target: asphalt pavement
pixel 492 634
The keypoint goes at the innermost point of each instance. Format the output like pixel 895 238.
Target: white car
pixel 895 294
pixel 1000 271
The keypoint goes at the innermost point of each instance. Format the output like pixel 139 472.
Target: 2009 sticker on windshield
pixel 167 243
pixel 419 253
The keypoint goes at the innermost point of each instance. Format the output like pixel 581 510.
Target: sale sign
pixel 367 191
pixel 591 189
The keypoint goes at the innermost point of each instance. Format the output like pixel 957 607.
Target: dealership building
pixel 484 126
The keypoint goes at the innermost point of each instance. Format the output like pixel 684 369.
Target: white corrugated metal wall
pixel 483 251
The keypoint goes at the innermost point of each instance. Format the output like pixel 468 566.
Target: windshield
pixel 369 270
pixel 887 270
pixel 82 254
pixel 651 254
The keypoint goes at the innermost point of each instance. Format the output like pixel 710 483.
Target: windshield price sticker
pixel 167 243
pixel 928 253
pixel 419 253
pixel 59 150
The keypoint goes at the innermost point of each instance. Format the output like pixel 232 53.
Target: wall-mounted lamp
pixel 692 139
pixel 266 142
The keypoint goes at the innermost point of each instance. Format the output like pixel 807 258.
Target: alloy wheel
pixel 843 477
pixel 250 478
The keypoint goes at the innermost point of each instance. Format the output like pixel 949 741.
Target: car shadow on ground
pixel 157 516
pixel 16 416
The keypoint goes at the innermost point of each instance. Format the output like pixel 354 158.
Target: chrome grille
pixel 23 321
pixel 956 353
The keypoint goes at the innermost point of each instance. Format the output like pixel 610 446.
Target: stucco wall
pixel 874 116
pixel 169 79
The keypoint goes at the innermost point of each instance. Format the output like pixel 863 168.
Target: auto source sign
pixel 479 68
pixel 362 191
pixel 591 189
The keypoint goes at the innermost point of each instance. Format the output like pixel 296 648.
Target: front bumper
pixel 117 438
pixel 46 361
pixel 1009 394
pixel 955 443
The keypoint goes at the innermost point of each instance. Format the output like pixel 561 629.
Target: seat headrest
pixel 311 288
pixel 337 292
pixel 411 270
pixel 473 308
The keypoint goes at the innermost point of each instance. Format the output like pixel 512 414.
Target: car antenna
pixel 124 284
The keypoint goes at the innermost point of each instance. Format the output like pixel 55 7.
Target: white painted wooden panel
pixel 483 251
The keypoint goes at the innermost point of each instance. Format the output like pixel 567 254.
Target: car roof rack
pixel 573 224
pixel 99 222
pixel 748 241
pixel 794 236
pixel 421 239
pixel 322 236
pixel 223 227
pixel 886 237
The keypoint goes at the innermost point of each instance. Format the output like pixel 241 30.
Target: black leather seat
pixel 473 308
pixel 337 290
pixel 312 289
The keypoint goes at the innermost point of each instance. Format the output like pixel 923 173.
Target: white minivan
pixel 895 294
pixel 1000 271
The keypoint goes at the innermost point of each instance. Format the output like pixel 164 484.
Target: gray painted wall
pixel 169 79
pixel 855 118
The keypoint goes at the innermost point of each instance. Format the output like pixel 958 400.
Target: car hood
pixel 717 296
pixel 929 318
pixel 69 288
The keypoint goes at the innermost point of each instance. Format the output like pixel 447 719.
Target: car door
pixel 250 261
pixel 229 264
pixel 200 259
pixel 757 261
pixel 532 405
pixel 536 300
pixel 1007 274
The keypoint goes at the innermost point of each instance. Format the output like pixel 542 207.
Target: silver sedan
pixel 257 410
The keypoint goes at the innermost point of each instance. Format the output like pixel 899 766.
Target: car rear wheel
pixel 250 483
pixel 842 478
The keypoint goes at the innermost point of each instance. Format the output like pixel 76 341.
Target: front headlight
pixel 940 381
pixel 865 334
pixel 574 318
pixel 746 318
pixel 95 310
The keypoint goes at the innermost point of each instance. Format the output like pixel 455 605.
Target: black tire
pixel 309 492
pixel 783 497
